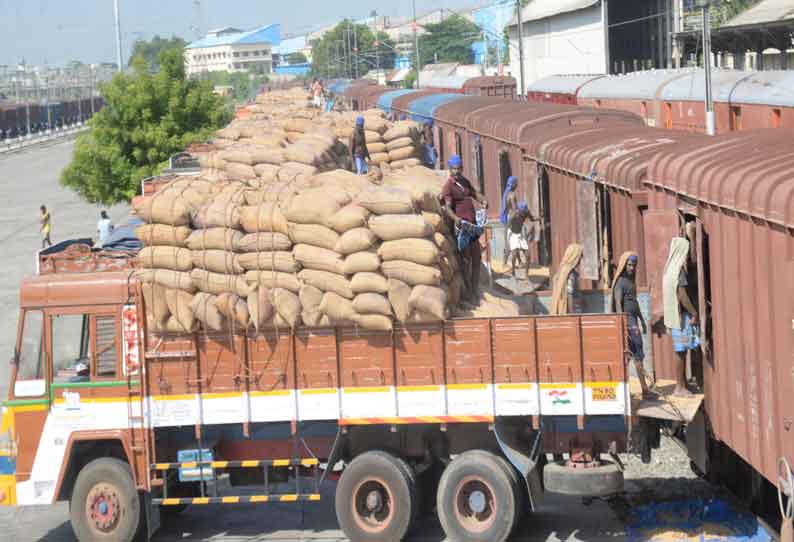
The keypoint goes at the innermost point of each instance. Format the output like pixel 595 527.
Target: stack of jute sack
pixel 323 250
pixel 401 143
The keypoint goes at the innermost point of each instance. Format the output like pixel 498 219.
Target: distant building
pixel 233 50
pixel 492 20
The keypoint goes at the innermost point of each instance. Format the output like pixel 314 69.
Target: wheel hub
pixel 475 506
pixel 104 507
pixel 374 501
pixel 477 502
pixel 372 505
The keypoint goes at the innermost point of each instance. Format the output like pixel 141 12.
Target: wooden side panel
pixel 559 350
pixel 515 358
pixel 419 355
pixel 366 370
pixel 317 371
pixel 468 352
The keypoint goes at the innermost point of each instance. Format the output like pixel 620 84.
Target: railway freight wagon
pixel 562 89
pixel 122 422
pixel 496 86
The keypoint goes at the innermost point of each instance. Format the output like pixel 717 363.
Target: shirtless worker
pixel 517 240
pixel 459 196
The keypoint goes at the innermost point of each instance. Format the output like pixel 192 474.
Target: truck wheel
pixel 105 505
pixel 601 481
pixel 375 498
pixel 477 498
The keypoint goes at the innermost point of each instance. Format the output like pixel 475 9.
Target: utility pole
pixel 377 59
pixel 118 34
pixel 485 52
pixel 520 47
pixel 710 128
pixel 416 46
pixel 355 52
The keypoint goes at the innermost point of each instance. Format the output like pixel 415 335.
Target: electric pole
pixel 520 47
pixel 416 46
pixel 118 34
pixel 355 52
pixel 710 128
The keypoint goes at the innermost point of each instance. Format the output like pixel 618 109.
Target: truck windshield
pixel 71 356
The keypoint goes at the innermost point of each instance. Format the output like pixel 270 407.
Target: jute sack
pixel 228 133
pixel 399 295
pixel 386 200
pixel 162 235
pixel 206 311
pixel 214 239
pixel 266 172
pixel 356 240
pixel 281 192
pixel 372 136
pixel 292 171
pixel 444 243
pixel 375 124
pixel 174 258
pixel 402 153
pixel 156 305
pixel 310 297
pixel 260 309
pixel 421 251
pixel 337 308
pixel 303 154
pixel 321 259
pixel 366 281
pixel 263 242
pixel 264 217
pixel 241 171
pixel 211 161
pixel 217 261
pixel 348 217
pixel 280 260
pixel 167 278
pixel 294 137
pixel 171 325
pixel 273 279
pixel 312 207
pixel 376 147
pixel 327 282
pixel 238 156
pixel 401 129
pixel 163 209
pixel 287 305
pixel 371 303
pixel 430 300
pixel 394 227
pixel 403 164
pixel 399 143
pixel 315 318
pixel 218 283
pixel 411 273
pixel 267 155
pixel 234 309
pixel 358 262
pixel 313 234
pixel 297 125
pixel 376 322
pixel 436 221
pixel 378 158
pixel 222 212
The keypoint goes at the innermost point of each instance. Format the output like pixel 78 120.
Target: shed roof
pixel 540 9
pixel 630 86
pixel 424 108
pixel 764 11
pixel 455 113
pixel 356 87
pixel 487 81
pixel 692 86
pixel 387 98
pixel 449 81
pixel 561 84
pixel 339 86
pixel 775 88
pixel 264 34
pixel 401 103
pixel 750 172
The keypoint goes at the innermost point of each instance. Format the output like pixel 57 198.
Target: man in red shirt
pixel 459 196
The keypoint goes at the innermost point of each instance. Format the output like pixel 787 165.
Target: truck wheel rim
pixel 372 504
pixel 103 507
pixel 475 505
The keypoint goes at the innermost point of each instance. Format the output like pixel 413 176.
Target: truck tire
pixel 105 505
pixel 477 498
pixel 601 481
pixel 376 498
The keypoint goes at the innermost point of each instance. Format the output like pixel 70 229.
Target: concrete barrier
pixel 19 143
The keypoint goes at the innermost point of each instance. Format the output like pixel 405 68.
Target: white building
pixel 559 36
pixel 232 50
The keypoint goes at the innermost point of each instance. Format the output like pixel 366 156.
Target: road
pixel 30 179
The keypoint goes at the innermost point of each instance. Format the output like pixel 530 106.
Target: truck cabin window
pixel 29 360
pixel 71 354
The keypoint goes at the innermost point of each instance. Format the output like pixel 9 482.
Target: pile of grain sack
pixel 320 249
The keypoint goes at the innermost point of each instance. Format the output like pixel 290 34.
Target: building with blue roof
pixel 230 49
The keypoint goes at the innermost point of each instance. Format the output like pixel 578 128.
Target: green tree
pixel 333 55
pixel 449 41
pixel 297 58
pixel 150 51
pixel 147 118
pixel 244 84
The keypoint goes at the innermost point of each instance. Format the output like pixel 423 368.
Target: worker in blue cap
pixel 459 197
pixel 517 240
pixel 430 155
pixel 358 148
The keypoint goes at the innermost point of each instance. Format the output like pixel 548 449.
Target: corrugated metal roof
pixel 340 86
pixel 452 81
pixel 692 86
pixel 290 45
pixel 455 113
pixel 748 172
pixel 401 103
pixel 561 84
pixel 641 85
pixel 264 34
pixel 540 9
pixel 490 81
pixel 765 11
pixel 775 88
pixel 424 108
pixel 386 99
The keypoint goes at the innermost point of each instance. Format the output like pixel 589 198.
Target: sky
pixel 54 32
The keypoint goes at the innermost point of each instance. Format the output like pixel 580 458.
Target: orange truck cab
pixel 122 422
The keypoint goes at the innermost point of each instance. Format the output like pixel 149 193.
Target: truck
pixel 476 417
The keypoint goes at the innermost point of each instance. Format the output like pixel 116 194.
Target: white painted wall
pixel 567 43
pixel 229 58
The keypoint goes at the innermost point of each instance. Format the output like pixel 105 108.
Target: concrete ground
pixel 29 179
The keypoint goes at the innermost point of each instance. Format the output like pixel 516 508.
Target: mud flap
pixel 152 515
pixel 334 455
pixel 508 434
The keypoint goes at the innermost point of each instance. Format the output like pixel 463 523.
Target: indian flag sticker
pixel 561 399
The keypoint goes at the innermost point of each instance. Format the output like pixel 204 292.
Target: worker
pixel 459 196
pixel 517 241
pixel 316 93
pixel 624 300
pixel 566 296
pixel 46 227
pixel 104 228
pixel 680 314
pixel 509 204
pixel 430 154
pixel 358 148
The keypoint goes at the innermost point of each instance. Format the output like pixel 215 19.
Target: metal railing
pixel 18 143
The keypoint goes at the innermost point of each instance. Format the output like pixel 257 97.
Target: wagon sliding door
pixel 587 227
